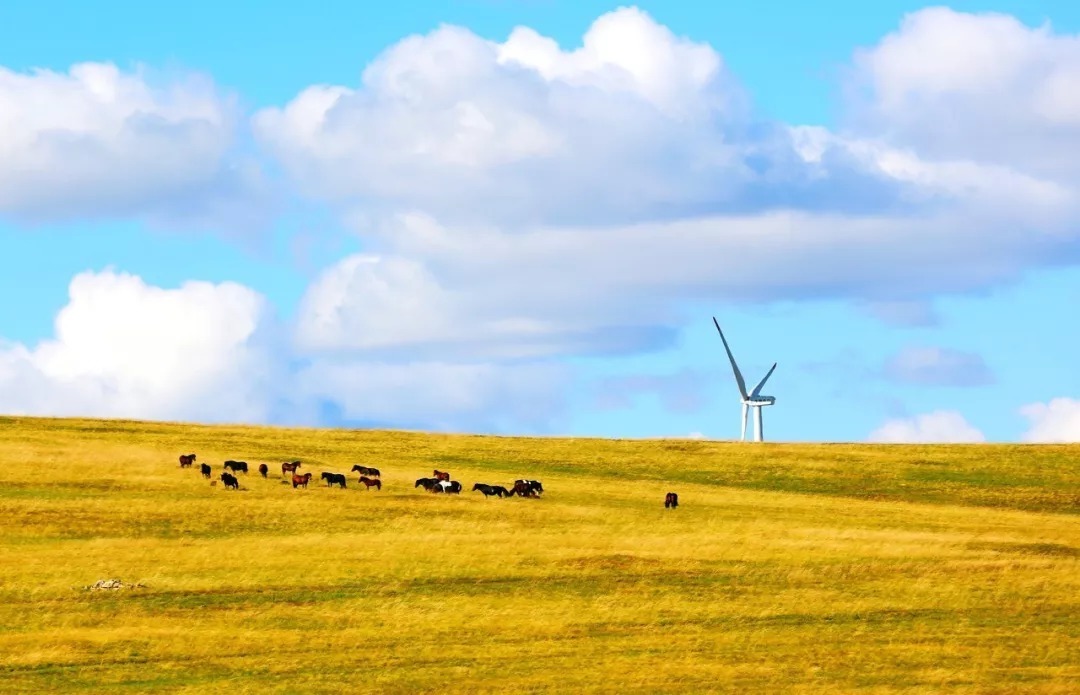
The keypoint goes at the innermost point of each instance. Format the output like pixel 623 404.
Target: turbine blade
pixel 734 367
pixel 757 389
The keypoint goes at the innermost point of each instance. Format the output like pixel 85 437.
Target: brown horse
pixel 671 501
pixel 186 460
pixel 289 467
pixel 441 475
pixel 369 482
pixel 300 480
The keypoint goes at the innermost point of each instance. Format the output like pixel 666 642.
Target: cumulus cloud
pixel 1056 421
pixel 937 366
pixel 98 141
pixel 945 426
pixel 1010 97
pixel 127 349
pixel 635 124
pixel 214 353
pixel 523 199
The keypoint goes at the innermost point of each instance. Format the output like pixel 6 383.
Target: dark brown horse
pixel 300 480
pixel 531 485
pixel 263 469
pixel 441 475
pixel 523 489
pixel 364 470
pixel 186 460
pixel 289 467
pixel 371 482
pixel 671 501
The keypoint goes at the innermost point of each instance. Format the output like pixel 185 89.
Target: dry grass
pixel 787 568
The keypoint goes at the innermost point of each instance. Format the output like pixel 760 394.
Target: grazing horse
pixel 671 500
pixel 451 487
pixel 237 466
pixel 205 468
pixel 230 481
pixel 186 460
pixel 371 482
pixel 524 489
pixel 334 479
pixel 289 467
pixel 300 480
pixel 426 483
pixel 263 469
pixel 364 470
pixel 442 475
pixel 533 487
pixel 489 490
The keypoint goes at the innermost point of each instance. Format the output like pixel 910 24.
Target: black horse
pixel 426 483
pixel 490 490
pixel 236 466
pixel 451 487
pixel 671 501
pixel 205 468
pixel 334 479
pixel 230 481
pixel 364 470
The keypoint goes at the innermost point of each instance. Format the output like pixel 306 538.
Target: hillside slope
pixel 802 568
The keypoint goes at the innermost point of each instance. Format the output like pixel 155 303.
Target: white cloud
pixel 126 349
pixel 979 87
pixel 937 366
pixel 635 121
pixel 1056 421
pixel 521 199
pixel 946 426
pixel 100 141
pixel 212 353
pixel 479 290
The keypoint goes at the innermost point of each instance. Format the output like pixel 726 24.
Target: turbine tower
pixel 754 399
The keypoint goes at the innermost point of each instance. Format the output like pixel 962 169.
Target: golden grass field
pixel 786 568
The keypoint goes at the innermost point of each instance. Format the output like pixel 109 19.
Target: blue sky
pixel 217 220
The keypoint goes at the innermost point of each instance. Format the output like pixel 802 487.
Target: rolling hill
pixel 786 567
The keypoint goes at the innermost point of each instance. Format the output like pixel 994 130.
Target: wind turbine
pixel 754 399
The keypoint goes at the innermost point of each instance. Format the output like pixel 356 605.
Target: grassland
pixel 787 568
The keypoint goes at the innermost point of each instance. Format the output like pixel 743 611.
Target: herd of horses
pixel 372 478
pixel 440 481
